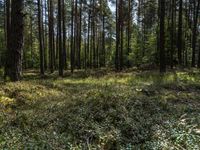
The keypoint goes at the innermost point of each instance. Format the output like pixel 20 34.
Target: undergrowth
pixel 101 110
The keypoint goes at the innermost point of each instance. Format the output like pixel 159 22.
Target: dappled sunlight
pixel 6 100
pixel 135 110
pixel 27 92
pixel 97 81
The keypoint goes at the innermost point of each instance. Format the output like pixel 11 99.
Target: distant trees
pixel 185 46
pixel 80 34
pixel 123 25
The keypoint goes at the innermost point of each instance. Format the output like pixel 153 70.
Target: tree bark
pixel 51 37
pixel 117 38
pixel 172 33
pixel 14 59
pixel 194 34
pixel 162 36
pixel 180 34
pixel 72 38
pixel 60 46
pixel 64 35
pixel 41 44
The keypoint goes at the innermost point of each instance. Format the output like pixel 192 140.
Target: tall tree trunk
pixel 194 33
pixel 16 36
pixel 162 36
pixel 72 37
pixel 180 32
pixel 64 36
pixel 75 32
pixel 93 34
pixel 51 37
pixel 41 44
pixel 172 32
pixel 88 39
pixel 121 22
pixel 79 35
pixel 129 32
pixel 117 38
pixel 45 36
pixel 31 40
pixel 197 15
pixel 60 46
pixel 5 17
pixel 8 28
pixel 103 41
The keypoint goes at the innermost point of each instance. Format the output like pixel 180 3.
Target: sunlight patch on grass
pixel 185 76
pixel 28 92
pixel 6 100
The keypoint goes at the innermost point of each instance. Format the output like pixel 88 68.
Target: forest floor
pixel 102 110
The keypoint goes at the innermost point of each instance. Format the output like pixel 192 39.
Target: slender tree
pixel 180 34
pixel 41 44
pixel 60 46
pixel 117 38
pixel 51 37
pixel 162 36
pixel 172 33
pixel 7 35
pixel 64 34
pixel 129 31
pixel 88 39
pixel 72 37
pixel 121 23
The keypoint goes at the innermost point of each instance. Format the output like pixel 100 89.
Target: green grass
pixel 101 110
